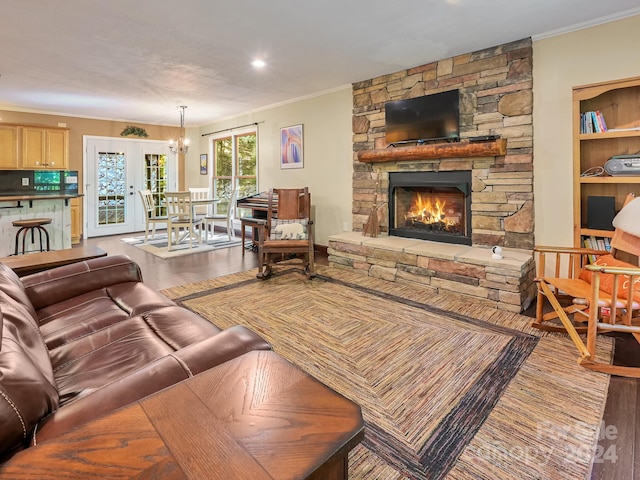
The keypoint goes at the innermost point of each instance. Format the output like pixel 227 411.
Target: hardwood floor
pixel 165 273
pixel 618 452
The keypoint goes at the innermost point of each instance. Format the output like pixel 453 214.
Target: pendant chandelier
pixel 182 144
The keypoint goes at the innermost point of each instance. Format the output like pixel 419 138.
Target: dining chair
pixel 198 193
pixel 225 218
pixel 180 215
pixel 151 216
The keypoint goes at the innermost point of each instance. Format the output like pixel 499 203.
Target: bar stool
pixel 254 223
pixel 31 225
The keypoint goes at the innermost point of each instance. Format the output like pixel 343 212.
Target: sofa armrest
pixel 229 343
pixel 59 284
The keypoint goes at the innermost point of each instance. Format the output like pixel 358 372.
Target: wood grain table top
pixel 255 417
pixel 37 262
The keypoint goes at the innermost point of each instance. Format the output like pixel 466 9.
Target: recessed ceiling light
pixel 258 63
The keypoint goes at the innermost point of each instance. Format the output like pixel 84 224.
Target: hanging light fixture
pixel 182 145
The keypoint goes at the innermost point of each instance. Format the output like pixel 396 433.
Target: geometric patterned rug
pixel 448 389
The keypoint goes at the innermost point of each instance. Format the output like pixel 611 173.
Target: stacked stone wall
pixel 496 98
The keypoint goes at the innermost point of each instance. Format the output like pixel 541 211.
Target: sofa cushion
pixel 91 362
pixel 62 283
pixel 83 363
pixel 12 286
pixel 137 298
pixel 78 317
pixel 26 395
pixel 21 329
pixel 179 327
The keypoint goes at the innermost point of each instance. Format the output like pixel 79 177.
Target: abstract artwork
pixel 291 154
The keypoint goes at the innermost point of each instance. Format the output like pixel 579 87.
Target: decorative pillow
pixel 295 229
pixel 606 279
pixel 627 218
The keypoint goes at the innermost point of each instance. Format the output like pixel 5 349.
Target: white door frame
pixel 135 149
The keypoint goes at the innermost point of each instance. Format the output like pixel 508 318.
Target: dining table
pixel 199 202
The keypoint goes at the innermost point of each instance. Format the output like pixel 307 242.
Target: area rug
pixel 158 245
pixel 448 389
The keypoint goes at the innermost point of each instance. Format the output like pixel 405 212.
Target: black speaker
pixel 600 212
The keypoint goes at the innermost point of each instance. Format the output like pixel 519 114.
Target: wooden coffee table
pixel 255 417
pixel 38 262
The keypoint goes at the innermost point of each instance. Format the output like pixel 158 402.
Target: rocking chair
pixel 604 296
pixel 288 230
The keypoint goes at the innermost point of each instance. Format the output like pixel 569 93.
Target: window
pixel 235 164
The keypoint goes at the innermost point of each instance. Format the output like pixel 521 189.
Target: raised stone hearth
pixel 506 284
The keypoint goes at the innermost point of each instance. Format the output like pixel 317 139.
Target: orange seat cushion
pixel 606 279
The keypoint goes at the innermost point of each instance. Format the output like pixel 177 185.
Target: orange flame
pixel 428 210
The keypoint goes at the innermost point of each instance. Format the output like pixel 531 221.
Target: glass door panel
pixel 112 188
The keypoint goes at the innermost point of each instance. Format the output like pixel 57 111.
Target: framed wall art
pixel 203 164
pixel 291 147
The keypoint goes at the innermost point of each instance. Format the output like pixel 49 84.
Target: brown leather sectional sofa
pixel 82 340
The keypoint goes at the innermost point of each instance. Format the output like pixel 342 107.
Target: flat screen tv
pixel 428 118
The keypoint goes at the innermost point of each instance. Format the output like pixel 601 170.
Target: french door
pixel 115 170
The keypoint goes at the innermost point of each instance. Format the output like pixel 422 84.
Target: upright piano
pixel 258 204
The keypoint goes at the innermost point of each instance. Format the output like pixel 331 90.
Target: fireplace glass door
pixel 430 206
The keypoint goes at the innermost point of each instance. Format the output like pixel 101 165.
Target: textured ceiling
pixel 138 60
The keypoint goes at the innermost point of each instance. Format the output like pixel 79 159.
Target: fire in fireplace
pixel 431 206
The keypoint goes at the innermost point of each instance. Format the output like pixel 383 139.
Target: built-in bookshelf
pixel 606 123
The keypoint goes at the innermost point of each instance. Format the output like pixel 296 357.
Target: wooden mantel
pixel 437 150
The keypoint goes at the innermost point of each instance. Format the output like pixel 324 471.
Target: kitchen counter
pixel 38 196
pixel 54 205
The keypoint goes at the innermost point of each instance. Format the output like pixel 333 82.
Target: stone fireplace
pixel 495 99
pixel 431 206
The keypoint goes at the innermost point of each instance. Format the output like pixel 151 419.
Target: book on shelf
pixel 595 243
pixel 586 241
pixel 592 122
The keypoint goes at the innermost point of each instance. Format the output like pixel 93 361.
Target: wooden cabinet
pixel 619 103
pixel 44 148
pixel 8 147
pixel 76 221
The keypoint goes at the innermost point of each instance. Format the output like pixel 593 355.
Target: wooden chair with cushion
pixel 288 230
pixel 604 296
pixel 180 216
pixel 151 216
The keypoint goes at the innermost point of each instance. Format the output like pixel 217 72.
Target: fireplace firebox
pixel 431 206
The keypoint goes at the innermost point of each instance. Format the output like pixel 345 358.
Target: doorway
pixel 115 170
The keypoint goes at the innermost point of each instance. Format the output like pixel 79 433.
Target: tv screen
pixel 427 118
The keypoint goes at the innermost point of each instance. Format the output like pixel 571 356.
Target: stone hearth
pixel 506 284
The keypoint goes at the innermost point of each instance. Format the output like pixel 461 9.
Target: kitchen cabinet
pixel 44 148
pixel 8 147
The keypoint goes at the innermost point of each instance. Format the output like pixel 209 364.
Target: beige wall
pixel 596 54
pixel 328 154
